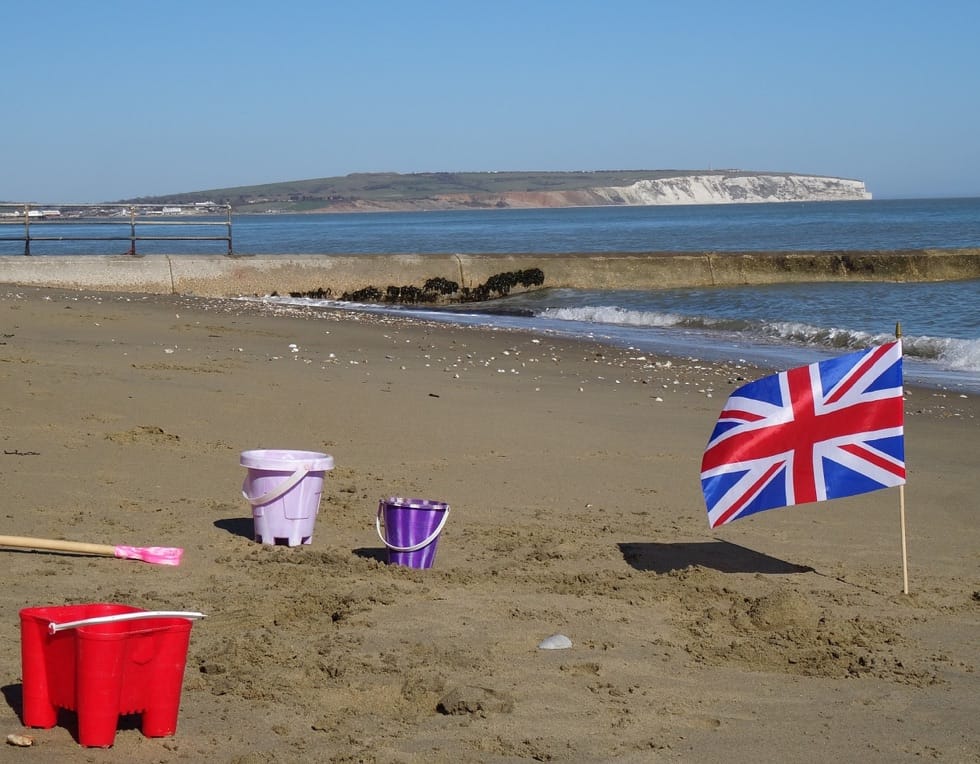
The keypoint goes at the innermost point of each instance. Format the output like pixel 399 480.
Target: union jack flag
pixel 823 431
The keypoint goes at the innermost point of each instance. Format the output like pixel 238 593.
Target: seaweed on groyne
pixel 436 289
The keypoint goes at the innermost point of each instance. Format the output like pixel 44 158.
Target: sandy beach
pixel 572 473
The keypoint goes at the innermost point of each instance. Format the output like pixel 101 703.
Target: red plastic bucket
pixel 103 661
pixel 410 529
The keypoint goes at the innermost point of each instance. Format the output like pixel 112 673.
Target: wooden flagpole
pixel 901 506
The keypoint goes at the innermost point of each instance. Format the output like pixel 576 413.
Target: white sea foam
pixel 611 314
pixel 957 354
pixel 831 337
pixel 961 355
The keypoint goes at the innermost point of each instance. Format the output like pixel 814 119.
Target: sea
pixel 774 326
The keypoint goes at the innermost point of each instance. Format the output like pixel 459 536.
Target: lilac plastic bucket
pixel 410 529
pixel 284 489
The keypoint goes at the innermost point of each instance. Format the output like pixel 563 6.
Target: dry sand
pixel 572 471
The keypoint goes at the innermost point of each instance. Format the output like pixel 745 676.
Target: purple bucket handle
pixel 414 547
pixel 276 492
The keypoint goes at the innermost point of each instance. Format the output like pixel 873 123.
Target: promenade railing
pixel 30 222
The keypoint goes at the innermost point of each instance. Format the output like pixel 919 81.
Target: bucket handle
pixel 53 628
pixel 276 492
pixel 414 547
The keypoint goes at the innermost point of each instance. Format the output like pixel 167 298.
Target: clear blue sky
pixel 106 100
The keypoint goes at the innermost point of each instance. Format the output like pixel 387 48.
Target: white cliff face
pixel 722 188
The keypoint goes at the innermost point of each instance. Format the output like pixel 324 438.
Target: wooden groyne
pixel 335 275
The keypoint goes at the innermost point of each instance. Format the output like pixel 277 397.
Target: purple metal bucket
pixel 410 529
pixel 284 489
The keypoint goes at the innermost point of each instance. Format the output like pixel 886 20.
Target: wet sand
pixel 572 472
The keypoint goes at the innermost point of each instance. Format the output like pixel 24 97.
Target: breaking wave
pixel 958 354
pixel 604 314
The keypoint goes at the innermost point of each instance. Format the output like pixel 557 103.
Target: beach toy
pixel 284 489
pixel 410 529
pixel 103 661
pixel 157 555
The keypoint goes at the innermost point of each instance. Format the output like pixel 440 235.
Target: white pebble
pixel 21 741
pixel 555 642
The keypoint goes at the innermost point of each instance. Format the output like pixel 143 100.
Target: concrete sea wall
pixel 229 276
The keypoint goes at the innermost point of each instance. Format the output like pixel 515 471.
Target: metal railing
pixel 129 223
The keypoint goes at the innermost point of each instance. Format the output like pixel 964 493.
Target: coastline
pixel 571 468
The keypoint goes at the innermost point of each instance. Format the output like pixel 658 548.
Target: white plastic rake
pixel 157 555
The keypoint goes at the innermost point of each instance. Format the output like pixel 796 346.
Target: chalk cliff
pixel 706 188
pixel 725 189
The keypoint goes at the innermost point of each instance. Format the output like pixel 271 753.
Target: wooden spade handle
pixel 58 545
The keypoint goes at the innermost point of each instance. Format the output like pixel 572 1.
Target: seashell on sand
pixel 555 642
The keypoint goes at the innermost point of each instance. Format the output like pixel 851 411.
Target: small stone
pixel 555 642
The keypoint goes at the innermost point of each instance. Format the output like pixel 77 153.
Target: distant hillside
pixel 485 190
